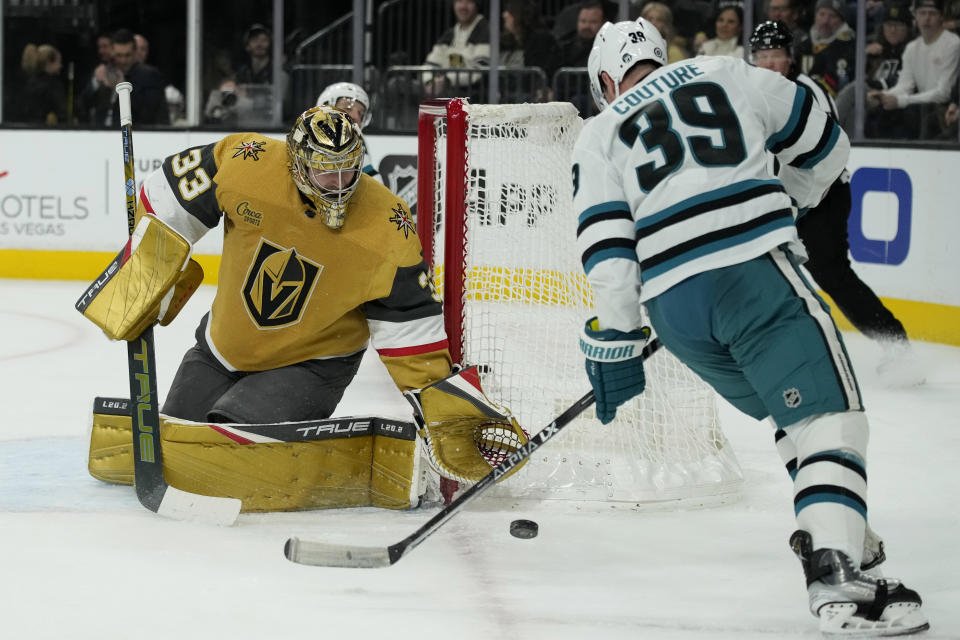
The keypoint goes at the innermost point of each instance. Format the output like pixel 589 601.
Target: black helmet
pixel 772 34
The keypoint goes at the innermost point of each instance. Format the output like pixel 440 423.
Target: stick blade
pixel 321 554
pixel 182 505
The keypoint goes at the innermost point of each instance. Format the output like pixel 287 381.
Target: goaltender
pixel 318 260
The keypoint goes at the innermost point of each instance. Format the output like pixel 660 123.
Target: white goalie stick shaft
pixel 152 489
pixel 323 554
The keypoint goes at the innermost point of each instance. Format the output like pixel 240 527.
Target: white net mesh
pixel 525 301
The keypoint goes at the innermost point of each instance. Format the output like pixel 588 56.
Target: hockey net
pixel 495 216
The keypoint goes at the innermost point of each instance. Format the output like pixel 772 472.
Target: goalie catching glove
pixel 466 434
pixel 614 365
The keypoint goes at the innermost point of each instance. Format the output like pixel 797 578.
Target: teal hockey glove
pixel 614 365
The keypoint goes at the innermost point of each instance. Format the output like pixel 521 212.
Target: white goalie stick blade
pixel 320 554
pixel 181 505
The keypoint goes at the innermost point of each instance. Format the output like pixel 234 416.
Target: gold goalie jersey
pixel 290 288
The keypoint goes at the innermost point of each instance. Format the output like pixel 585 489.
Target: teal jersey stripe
pixel 794 120
pixel 827 148
pixel 829 497
pixel 716 194
pixel 603 207
pixel 846 455
pixel 609 254
pixel 713 247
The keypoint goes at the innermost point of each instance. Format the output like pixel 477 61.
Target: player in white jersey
pixel 823 228
pixel 351 98
pixel 679 210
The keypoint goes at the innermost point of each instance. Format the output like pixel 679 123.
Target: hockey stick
pixel 152 489
pixel 323 554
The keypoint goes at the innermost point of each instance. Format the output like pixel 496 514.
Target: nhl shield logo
pixel 400 175
pixel 791 398
pixel 278 286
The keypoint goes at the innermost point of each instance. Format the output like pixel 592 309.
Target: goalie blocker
pixel 315 464
pixel 150 280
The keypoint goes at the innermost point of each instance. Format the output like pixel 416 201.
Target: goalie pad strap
pixel 127 297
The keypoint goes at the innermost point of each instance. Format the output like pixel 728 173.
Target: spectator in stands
pixel 884 58
pixel 874 11
pixel 44 97
pixel 103 49
pixel 219 80
pixel 464 45
pixel 951 16
pixel 729 26
pixel 148 102
pixel 96 97
pixel 788 12
pixel 176 106
pixel 570 20
pixel 574 50
pixel 525 43
pixel 249 100
pixel 928 74
pixel 143 47
pixel 834 46
pixel 662 18
pixel 575 46
pixel 691 21
pixel 950 118
pixel 257 66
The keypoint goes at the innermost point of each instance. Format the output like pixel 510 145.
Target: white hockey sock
pixel 830 484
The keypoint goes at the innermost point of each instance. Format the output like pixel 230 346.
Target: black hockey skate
pixel 852 603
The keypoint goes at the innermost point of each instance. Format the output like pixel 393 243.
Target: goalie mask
pixel 325 150
pixel 353 93
pixel 618 48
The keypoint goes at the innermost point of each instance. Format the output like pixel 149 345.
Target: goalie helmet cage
pixel 496 220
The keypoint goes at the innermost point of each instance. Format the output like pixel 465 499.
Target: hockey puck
pixel 524 529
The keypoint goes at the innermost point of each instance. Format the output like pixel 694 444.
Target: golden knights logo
pixel 249 149
pixel 402 219
pixel 278 286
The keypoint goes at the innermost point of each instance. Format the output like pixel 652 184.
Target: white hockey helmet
pixel 618 47
pixel 332 94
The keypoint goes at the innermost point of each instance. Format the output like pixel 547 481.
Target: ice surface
pixel 82 559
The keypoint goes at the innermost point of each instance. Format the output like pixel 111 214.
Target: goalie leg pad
pixel 465 433
pixel 128 295
pixel 316 464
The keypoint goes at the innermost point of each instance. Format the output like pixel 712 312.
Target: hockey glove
pixel 466 434
pixel 614 365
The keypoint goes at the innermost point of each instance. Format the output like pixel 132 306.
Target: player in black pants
pixel 824 233
pixel 823 228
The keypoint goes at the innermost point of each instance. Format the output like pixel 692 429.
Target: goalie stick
pixel 152 489
pixel 322 554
